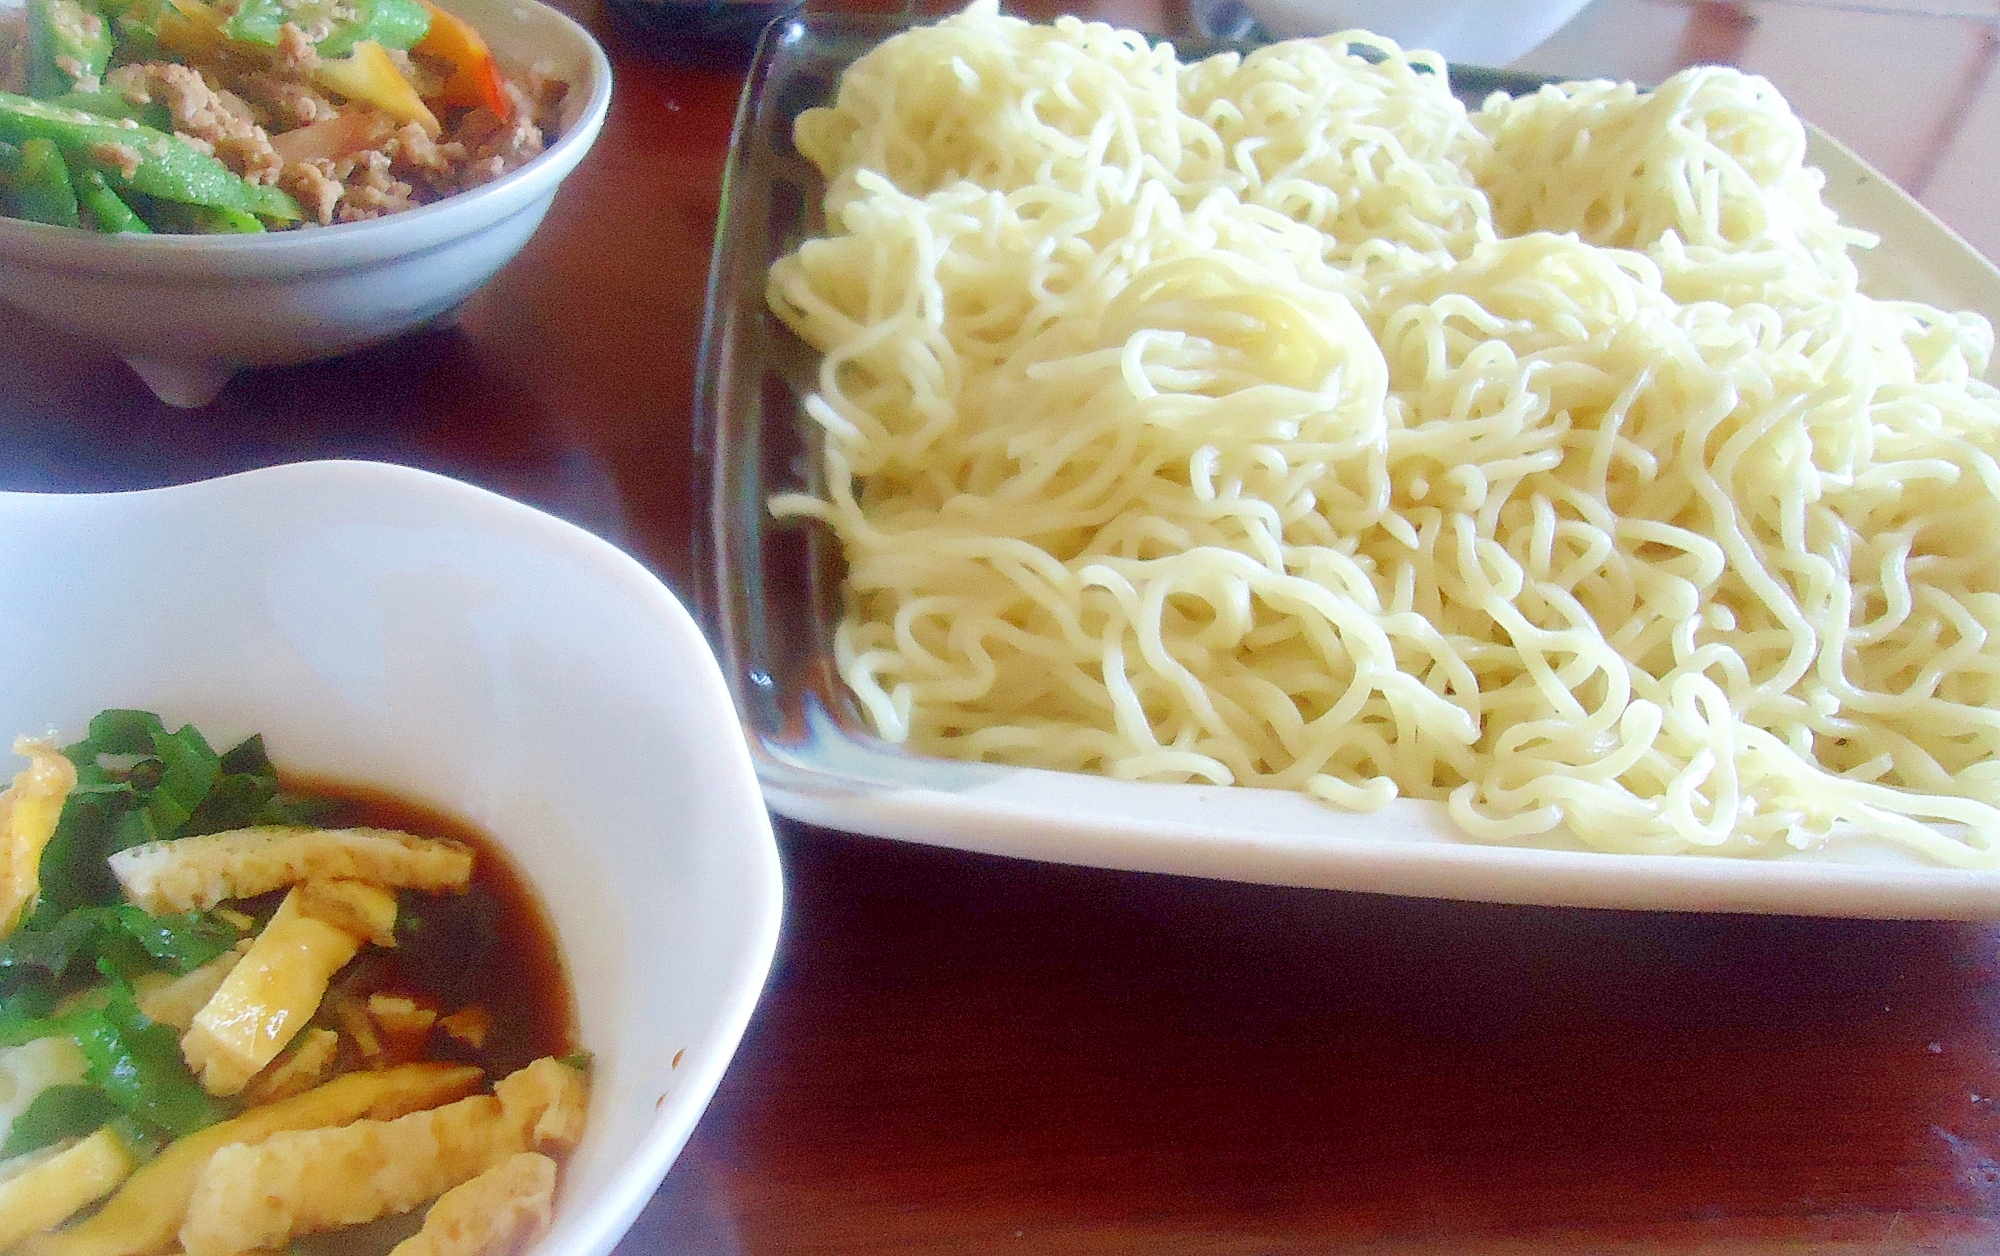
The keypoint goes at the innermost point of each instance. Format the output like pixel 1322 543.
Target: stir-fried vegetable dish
pixel 221 116
pixel 227 1025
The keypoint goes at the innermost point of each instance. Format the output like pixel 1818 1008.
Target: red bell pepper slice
pixel 476 79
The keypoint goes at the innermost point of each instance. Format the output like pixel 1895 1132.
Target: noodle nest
pixel 1274 420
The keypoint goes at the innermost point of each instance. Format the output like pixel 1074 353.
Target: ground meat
pixel 123 156
pixel 355 188
pixel 297 54
pixel 288 102
pixel 427 75
pixel 318 28
pixel 312 185
pixel 371 190
pixel 78 28
pixel 420 159
pixel 273 94
pixel 214 120
pixel 493 147
pixel 79 80
pixel 250 155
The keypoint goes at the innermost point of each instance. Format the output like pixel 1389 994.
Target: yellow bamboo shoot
pixel 275 989
pixel 29 810
pixel 144 1216
pixel 47 1194
pixel 370 77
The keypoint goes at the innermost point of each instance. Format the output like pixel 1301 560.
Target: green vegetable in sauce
pixel 57 1113
pixel 188 768
pixel 203 220
pixel 247 793
pixel 137 783
pixel 103 208
pixel 183 941
pixel 69 943
pixel 27 1001
pixel 68 42
pixel 136 1062
pixel 112 105
pixel 138 30
pixel 270 202
pixel 132 1063
pixel 42 190
pixel 117 732
pixel 136 158
pixel 256 22
pixel 28 1011
pixel 121 936
pixel 390 23
pixel 73 871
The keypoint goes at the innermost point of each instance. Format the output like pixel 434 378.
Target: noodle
pixel 1275 421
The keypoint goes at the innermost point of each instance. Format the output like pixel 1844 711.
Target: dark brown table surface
pixel 970 1054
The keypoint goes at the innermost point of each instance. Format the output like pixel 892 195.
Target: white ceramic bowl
pixel 1469 32
pixel 187 312
pixel 392 628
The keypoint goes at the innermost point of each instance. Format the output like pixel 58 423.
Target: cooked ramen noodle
pixel 1273 420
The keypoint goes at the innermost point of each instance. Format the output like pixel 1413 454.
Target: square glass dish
pixel 771 597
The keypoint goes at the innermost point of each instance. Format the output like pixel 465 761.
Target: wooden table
pixel 970 1054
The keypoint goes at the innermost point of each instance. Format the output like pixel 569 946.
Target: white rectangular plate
pixel 773 595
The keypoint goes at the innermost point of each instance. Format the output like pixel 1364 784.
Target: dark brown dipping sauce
pixel 491 947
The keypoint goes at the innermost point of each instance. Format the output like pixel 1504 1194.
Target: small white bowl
pixel 1464 32
pixel 188 312
pixel 399 630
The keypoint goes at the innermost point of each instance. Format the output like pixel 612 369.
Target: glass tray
pixel 770 596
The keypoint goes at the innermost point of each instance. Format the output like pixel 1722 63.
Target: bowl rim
pixel 635 1177
pixel 337 245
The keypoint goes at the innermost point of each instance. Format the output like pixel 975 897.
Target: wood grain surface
pixel 968 1054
